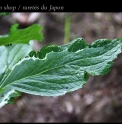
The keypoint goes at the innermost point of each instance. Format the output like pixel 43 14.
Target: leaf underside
pixel 56 70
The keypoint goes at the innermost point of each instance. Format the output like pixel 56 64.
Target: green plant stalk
pixel 67 29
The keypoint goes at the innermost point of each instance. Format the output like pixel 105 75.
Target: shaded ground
pixel 100 100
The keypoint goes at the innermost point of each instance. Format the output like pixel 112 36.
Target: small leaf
pixel 22 36
pixel 4 13
pixel 8 96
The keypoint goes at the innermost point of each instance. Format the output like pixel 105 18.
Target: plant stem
pixel 67 29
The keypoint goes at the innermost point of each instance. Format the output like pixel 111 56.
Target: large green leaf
pixel 63 68
pixel 22 36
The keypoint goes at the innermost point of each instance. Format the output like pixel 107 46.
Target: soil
pixel 100 100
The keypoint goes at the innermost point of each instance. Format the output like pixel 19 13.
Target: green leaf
pixel 62 69
pixel 4 13
pixel 8 96
pixel 22 36
pixel 9 56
